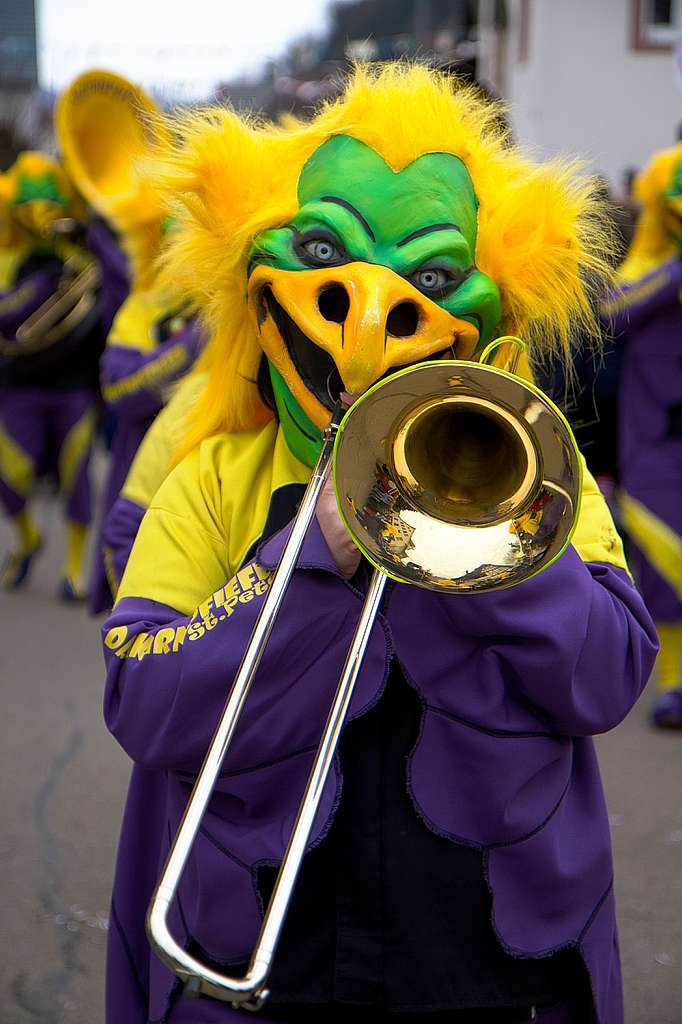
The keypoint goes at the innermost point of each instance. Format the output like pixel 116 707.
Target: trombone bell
pixel 457 476
pixel 463 460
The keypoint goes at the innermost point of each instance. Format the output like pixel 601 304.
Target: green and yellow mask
pixel 375 271
pixel 40 193
pixel 396 225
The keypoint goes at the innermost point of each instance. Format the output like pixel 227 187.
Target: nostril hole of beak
pixel 403 320
pixel 333 303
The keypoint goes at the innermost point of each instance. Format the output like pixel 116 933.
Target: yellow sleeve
pixel 10 261
pixel 180 553
pixel 204 518
pixel 661 545
pixel 596 538
pixel 134 324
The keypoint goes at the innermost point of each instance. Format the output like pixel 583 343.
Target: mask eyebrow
pixel 427 231
pixel 351 209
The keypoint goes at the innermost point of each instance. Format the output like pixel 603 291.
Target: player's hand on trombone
pixel 345 553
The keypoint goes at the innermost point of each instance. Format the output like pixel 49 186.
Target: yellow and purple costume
pixel 106 126
pixel 646 316
pixel 396 225
pixel 49 376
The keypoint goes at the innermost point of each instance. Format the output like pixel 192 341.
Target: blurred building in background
pixel 601 78
pixel 23 117
pixel 596 77
pixel 440 31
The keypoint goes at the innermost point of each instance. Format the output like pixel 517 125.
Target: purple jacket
pixel 647 316
pixel 513 684
pixel 134 384
pixel 21 301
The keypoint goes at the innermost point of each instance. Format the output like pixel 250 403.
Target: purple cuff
pixel 119 531
pixel 18 303
pixel 133 383
pixel 103 244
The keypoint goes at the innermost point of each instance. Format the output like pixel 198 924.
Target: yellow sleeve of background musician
pixel 134 324
pixel 10 261
pixel 596 538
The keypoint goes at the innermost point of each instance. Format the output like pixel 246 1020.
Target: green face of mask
pixel 42 187
pixel 303 437
pixel 38 201
pixel 419 224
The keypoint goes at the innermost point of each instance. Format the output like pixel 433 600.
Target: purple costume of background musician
pixel 647 317
pixel 43 400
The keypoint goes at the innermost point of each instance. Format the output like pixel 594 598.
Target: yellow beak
pixel 366 317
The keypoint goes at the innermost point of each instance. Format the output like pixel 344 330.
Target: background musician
pixel 645 315
pixel 48 373
pixel 106 128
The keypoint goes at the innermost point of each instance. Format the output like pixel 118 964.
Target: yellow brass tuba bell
pixel 105 126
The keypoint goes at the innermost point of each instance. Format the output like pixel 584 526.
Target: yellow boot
pixel 667 710
pixel 72 587
pixel 17 565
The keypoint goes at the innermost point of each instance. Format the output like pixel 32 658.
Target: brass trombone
pixel 451 475
pixel 60 313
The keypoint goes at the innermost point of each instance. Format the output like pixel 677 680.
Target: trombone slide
pixel 60 313
pixel 199 979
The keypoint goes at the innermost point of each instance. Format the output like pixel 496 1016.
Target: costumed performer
pixel 49 375
pixel 460 867
pixel 106 127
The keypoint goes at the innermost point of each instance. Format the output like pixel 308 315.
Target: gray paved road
pixel 62 781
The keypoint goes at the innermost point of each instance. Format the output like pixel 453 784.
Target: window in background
pixel 657 24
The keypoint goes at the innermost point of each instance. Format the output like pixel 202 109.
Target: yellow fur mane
pixel 541 234
pixel 651 244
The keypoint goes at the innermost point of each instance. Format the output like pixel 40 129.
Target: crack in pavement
pixel 41 998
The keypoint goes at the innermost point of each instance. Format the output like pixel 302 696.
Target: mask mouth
pixel 315 367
